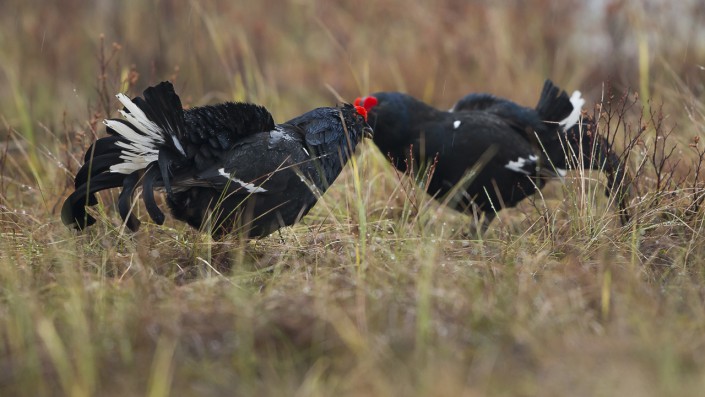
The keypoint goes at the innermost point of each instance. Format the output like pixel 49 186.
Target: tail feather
pixel 164 161
pixel 138 150
pixel 101 154
pixel 554 104
pixel 151 125
pixel 159 104
pixel 73 211
pixel 577 101
pixel 102 146
pixel 147 141
pixel 125 201
pixel 96 166
pixel 148 195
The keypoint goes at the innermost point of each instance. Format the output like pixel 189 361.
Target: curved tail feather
pixel 74 211
pixel 555 106
pixel 148 195
pixel 125 200
pixel 576 99
pixel 139 152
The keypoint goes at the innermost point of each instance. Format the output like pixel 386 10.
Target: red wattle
pixel 370 102
pixel 361 111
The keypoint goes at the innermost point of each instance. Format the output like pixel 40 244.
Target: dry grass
pixel 376 292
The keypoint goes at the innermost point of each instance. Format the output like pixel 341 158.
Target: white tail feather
pixel 142 148
pixel 137 118
pixel 577 100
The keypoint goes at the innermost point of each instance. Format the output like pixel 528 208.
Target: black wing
pixel 214 130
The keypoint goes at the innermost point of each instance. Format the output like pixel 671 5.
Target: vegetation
pixel 378 291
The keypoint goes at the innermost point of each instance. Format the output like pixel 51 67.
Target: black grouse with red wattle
pixel 491 153
pixel 225 168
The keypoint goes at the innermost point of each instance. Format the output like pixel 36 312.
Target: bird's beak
pixel 368 133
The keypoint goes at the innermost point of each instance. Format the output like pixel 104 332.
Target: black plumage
pixel 498 151
pixel 226 167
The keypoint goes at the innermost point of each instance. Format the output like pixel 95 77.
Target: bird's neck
pixel 332 157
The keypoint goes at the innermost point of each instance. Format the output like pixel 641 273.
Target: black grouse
pixel 226 167
pixel 495 150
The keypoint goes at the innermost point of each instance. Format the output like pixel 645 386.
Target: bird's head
pixel 365 104
pixel 355 117
pixel 393 116
pixel 362 110
pixel 363 107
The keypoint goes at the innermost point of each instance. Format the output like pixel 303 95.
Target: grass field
pixel 376 292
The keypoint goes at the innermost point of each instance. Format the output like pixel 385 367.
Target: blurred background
pixel 291 55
